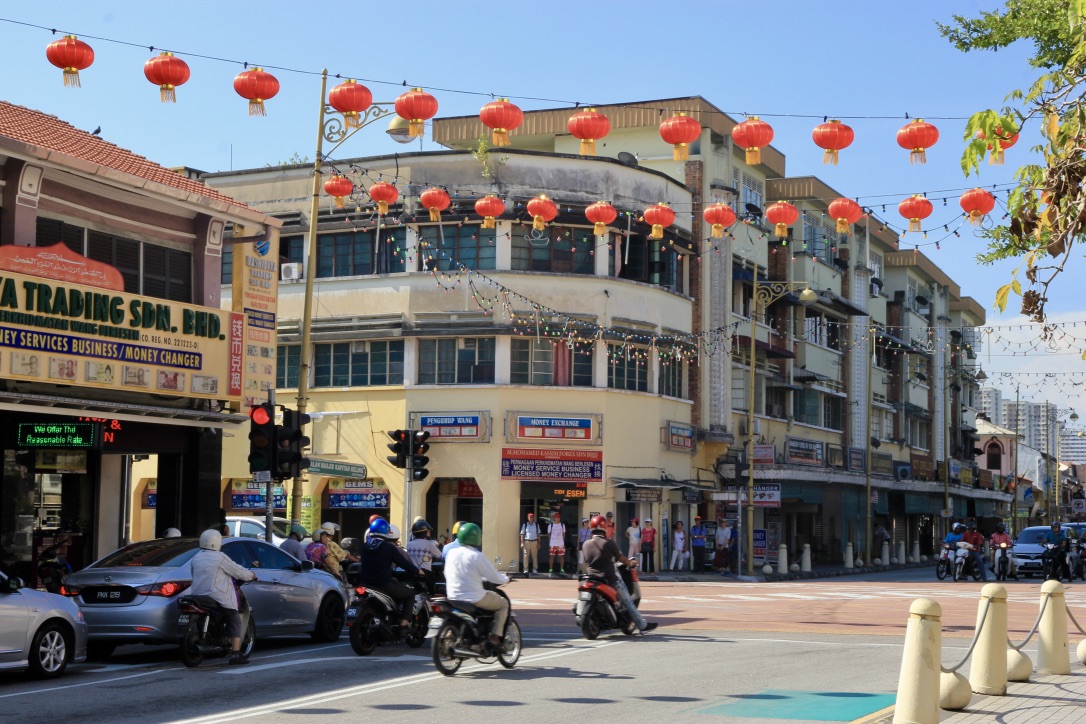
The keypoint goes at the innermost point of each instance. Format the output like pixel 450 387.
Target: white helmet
pixel 172 533
pixel 393 533
pixel 211 540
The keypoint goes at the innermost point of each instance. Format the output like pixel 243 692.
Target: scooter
pixel 373 617
pixel 963 562
pixel 599 608
pixel 204 634
pixel 1054 559
pixel 460 631
pixel 946 562
pixel 1001 552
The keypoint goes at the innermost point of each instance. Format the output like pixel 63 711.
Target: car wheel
pixel 249 641
pixel 364 632
pixel 329 620
pixel 50 651
pixel 100 651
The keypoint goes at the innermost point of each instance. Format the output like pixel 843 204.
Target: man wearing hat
pixel 335 549
pixel 529 544
pixel 293 544
pixel 609 527
pixel 697 544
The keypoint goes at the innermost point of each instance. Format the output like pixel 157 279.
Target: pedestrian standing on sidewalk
pixel 529 545
pixel 648 547
pixel 679 551
pixel 557 544
pixel 633 535
pixel 697 544
pixel 583 534
pixel 720 557
pixel 609 528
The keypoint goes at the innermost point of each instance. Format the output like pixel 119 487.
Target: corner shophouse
pixel 112 343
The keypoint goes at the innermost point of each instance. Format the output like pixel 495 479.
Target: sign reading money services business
pixel 552 464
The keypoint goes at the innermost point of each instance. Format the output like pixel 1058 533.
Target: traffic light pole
pixel 269 485
pixel 408 478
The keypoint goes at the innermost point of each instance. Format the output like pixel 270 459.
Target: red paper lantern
pixel 753 134
pixel 589 126
pixel 720 216
pixel 917 136
pixel 915 208
pixel 782 215
pixel 71 55
pixel 383 193
pixel 679 130
pixel 977 203
pixel 660 216
pixel 435 200
pixel 489 207
pixel 416 106
pixel 600 214
pixel 167 72
pixel 352 100
pixel 845 212
pixel 1005 142
pixel 501 117
pixel 256 85
pixel 339 188
pixel 832 136
pixel 542 210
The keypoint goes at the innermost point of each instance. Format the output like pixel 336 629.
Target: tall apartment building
pixel 991 404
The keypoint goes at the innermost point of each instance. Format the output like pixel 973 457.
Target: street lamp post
pixel 765 294
pixel 1054 419
pixel 330 128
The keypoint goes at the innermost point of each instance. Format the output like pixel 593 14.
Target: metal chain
pixel 1070 616
pixel 1044 604
pixel 976 637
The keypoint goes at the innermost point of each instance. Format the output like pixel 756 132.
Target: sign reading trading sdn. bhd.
pixel 54 329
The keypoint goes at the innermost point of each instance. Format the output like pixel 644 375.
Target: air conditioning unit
pixel 290 272
pixel 875 290
pixel 743 427
pixel 923 311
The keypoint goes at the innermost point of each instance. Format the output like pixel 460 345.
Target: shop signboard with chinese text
pixel 254 296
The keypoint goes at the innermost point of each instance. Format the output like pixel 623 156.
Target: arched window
pixel 995 456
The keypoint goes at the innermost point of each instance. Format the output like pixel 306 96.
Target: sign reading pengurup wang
pixel 84 336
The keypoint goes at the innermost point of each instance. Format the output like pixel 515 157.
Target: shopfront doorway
pixel 547 500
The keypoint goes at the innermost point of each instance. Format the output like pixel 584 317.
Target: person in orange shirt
pixel 609 526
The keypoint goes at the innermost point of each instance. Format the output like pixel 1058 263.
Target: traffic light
pixel 419 448
pixel 401 447
pixel 261 437
pixel 290 441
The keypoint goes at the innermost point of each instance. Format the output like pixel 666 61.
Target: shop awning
pixel 808 376
pixel 78 407
pixel 783 385
pixel 770 351
pixel 662 484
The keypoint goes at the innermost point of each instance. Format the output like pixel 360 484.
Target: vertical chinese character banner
pixel 255 291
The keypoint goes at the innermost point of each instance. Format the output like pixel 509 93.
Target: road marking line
pixel 292 662
pixel 365 689
pixel 85 683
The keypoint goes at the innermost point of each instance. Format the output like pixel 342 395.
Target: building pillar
pixel 22 188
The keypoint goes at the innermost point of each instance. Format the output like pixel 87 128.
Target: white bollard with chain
pixel 918 683
pixel 805 562
pixel 849 556
pixel 1052 654
pixel 988 664
pixel 782 559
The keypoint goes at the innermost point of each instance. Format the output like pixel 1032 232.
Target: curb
pixel 776 578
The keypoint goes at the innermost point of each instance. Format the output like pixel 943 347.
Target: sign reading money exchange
pixel 86 336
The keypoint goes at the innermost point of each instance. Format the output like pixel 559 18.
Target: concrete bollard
pixel 1081 651
pixel 805 562
pixel 767 569
pixel 988 664
pixel 849 557
pixel 884 554
pixel 916 551
pixel 954 692
pixel 782 559
pixel 1052 654
pixel 918 683
pixel 900 554
pixel 1019 666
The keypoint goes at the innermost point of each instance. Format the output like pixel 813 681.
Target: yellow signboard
pixel 254 297
pixel 70 334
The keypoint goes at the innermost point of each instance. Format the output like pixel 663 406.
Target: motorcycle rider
pixel 1001 536
pixel 600 554
pixel 424 551
pixel 379 554
pixel 975 539
pixel 293 544
pixel 955 535
pixel 465 570
pixel 1057 537
pixel 455 542
pixel 213 575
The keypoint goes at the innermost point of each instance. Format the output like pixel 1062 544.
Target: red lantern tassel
pixel 781 230
pixel 256 107
pixel 657 232
pixel 754 155
pixel 351 119
pixel 918 156
pixel 996 159
pixel 382 207
pixel 538 223
pixel 341 201
pixel 717 232
pixel 71 77
pixel 830 156
pixel 599 229
pixel 488 222
pixel 842 226
pixel 416 128
pixel 588 147
pixel 681 152
pixel 500 137
pixel 167 93
pixel 435 213
pixel 914 225
pixel 976 218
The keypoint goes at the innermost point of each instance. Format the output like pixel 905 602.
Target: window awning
pixel 783 385
pixel 809 376
pixel 899 344
pixel 770 351
pixel 78 407
pixel 839 304
pixel 627 483
pixel 912 410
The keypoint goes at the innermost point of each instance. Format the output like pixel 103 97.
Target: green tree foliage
pixel 1048 207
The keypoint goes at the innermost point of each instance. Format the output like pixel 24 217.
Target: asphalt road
pixel 726 650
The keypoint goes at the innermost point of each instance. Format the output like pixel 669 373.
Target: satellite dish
pixel 753 210
pixel 627 158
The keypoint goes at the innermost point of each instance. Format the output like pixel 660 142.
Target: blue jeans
pixel 624 596
pixel 978 561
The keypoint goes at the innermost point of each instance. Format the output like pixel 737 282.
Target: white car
pixel 252 526
pixel 39 630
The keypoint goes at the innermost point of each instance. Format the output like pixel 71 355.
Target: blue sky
pixel 774 58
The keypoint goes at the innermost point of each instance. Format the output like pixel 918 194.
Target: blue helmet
pixel 379 528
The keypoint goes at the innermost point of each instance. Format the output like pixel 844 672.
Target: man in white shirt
pixel 529 544
pixel 558 544
pixel 465 570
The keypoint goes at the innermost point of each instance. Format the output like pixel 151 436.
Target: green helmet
pixel 470 535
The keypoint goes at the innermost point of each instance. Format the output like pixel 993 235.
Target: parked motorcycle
pixel 373 617
pixel 205 636
pixel 1001 553
pixel 946 562
pixel 599 608
pixel 460 631
pixel 964 564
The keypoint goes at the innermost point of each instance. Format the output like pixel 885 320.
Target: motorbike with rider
pixel 1001 544
pixel 1054 559
pixel 214 609
pixel 600 607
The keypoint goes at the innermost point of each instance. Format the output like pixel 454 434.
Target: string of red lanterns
pixel 501 117
pixel 435 200
pixel 167 71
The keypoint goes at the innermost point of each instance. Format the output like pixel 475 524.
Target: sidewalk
pixel 822 571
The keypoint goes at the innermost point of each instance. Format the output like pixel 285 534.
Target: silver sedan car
pixel 42 631
pixel 130 596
